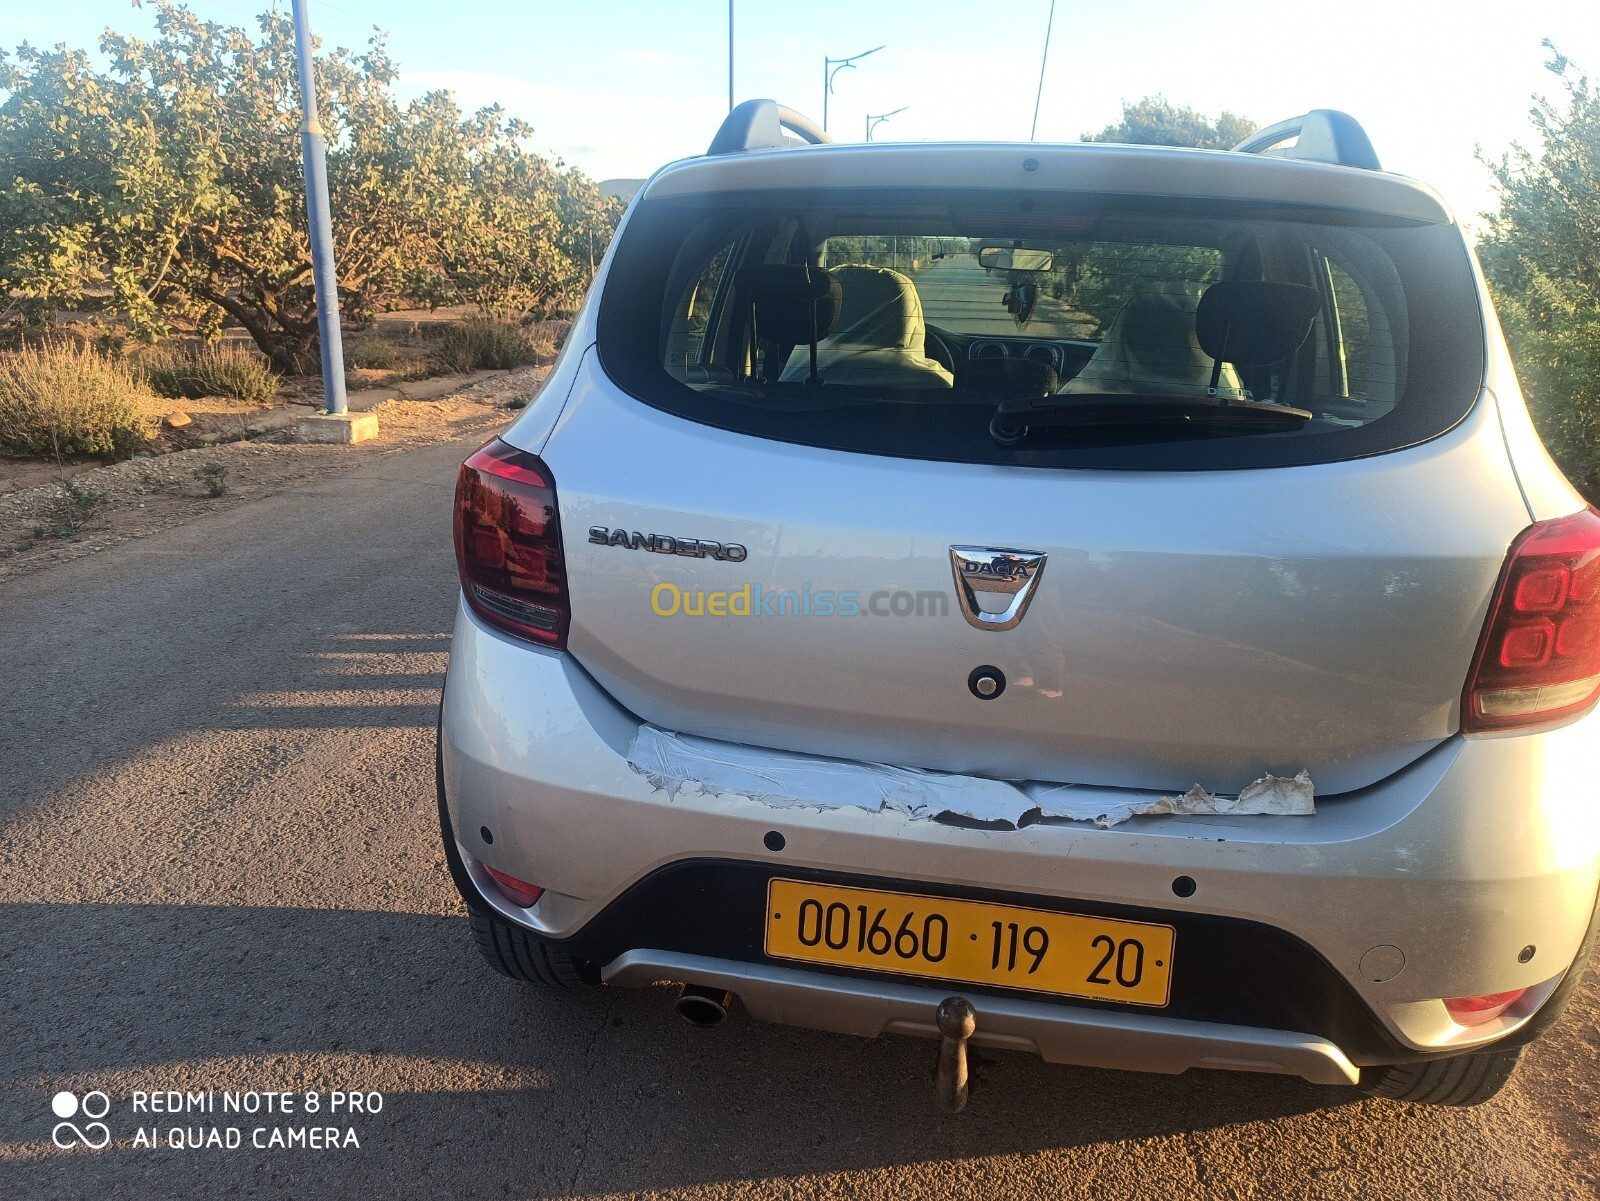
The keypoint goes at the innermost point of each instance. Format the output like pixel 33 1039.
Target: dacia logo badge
pixel 996 570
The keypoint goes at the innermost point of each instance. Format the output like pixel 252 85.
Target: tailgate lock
pixel 957 1020
pixel 986 682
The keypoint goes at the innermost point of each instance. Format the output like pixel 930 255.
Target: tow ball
pixel 957 1021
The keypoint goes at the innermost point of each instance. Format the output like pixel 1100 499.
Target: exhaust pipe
pixel 702 1006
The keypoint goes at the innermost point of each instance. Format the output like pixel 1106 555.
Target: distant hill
pixel 622 189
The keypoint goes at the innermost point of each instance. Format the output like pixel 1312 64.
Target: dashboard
pixel 1066 355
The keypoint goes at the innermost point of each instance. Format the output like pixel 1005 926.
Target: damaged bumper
pixel 674 762
pixel 1450 868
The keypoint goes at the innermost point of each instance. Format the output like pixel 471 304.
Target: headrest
pixel 787 298
pixel 1006 377
pixel 1253 323
pixel 881 308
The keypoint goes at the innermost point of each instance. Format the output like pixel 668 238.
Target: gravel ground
pixel 90 510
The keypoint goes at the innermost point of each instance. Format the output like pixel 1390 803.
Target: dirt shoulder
pixel 50 515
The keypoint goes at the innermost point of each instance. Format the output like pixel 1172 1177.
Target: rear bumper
pixel 1058 1034
pixel 1473 853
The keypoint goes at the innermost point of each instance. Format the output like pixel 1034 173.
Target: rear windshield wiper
pixel 1016 418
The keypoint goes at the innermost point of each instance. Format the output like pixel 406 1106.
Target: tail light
pixel 1539 660
pixel 1479 1011
pixel 508 544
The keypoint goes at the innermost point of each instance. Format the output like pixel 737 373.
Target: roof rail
pixel 1325 135
pixel 759 125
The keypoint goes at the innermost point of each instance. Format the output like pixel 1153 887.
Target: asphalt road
pixel 960 296
pixel 219 871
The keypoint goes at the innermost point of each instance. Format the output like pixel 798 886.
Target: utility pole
pixel 830 68
pixel 313 152
pixel 730 55
pixel 874 122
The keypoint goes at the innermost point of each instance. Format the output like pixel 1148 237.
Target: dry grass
pixel 371 351
pixel 546 339
pixel 484 343
pixel 66 400
pixel 190 374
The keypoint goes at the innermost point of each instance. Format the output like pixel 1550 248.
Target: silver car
pixel 1107 602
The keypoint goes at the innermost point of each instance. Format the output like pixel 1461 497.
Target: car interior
pixel 817 309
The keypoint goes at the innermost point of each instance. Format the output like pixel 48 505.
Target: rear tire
pixel 1463 1080
pixel 523 955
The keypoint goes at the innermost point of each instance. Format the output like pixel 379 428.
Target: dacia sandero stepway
pixel 1102 601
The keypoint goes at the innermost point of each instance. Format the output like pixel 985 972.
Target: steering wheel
pixel 937 349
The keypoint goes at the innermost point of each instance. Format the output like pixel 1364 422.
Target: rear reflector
pixel 508 544
pixel 1539 659
pixel 1478 1011
pixel 518 892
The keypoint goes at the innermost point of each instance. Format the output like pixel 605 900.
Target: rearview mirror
pixel 1015 258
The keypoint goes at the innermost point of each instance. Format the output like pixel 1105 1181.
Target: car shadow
pixel 554 1093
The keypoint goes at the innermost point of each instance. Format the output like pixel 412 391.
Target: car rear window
pixel 1104 331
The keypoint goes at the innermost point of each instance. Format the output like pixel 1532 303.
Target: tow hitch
pixel 957 1021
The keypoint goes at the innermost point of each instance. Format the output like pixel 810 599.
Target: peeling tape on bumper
pixel 674 762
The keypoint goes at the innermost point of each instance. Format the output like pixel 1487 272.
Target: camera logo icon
pixel 94 1133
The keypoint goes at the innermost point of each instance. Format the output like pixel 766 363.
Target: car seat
pixel 1151 350
pixel 879 338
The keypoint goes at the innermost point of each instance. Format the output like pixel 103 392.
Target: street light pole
pixel 313 155
pixel 730 55
pixel 830 68
pixel 874 122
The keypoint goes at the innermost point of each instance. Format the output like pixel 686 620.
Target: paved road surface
pixel 219 870
pixel 962 297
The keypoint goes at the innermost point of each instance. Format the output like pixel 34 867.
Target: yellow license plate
pixel 974 942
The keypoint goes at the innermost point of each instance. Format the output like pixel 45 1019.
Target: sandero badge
pixel 997 571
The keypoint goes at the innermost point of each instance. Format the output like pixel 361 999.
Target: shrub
pixel 182 373
pixel 413 371
pixel 63 400
pixel 1553 328
pixel 484 344
pixel 214 476
pixel 75 507
pixel 1542 257
pixel 373 351
pixel 546 339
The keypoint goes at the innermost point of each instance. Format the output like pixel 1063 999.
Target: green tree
pixel 1542 258
pixel 1095 279
pixel 1156 121
pixel 172 182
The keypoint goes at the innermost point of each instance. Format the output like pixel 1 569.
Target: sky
pixel 619 87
